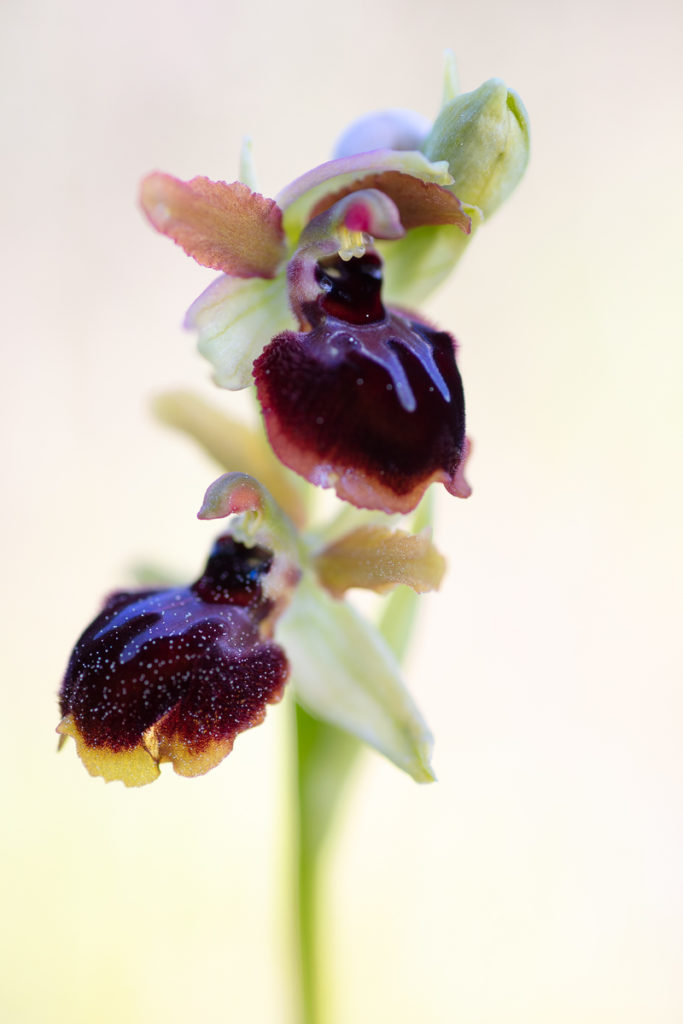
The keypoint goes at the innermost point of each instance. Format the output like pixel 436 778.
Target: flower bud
pixel 484 136
pixel 384 129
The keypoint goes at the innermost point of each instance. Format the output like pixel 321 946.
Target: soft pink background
pixel 540 879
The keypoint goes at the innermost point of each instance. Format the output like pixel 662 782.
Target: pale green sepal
pixel 451 78
pixel 414 266
pixel 344 673
pixel 235 319
pixel 246 169
pixel 398 618
pixel 484 136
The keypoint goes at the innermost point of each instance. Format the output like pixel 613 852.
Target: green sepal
pixel 235 318
pixel 344 672
pixel 414 266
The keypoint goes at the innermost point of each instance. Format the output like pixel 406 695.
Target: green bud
pixel 484 136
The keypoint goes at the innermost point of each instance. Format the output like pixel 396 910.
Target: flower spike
pixel 357 393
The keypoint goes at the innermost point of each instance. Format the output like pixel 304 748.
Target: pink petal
pixel 225 227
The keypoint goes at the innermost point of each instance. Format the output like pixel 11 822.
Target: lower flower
pixel 176 674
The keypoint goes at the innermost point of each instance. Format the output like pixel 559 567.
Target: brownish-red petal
pixel 223 226
pixel 418 202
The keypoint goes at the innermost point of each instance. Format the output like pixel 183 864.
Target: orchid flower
pixel 175 674
pixel 355 394
pixel 346 400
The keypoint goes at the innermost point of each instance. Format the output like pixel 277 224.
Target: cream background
pixel 540 880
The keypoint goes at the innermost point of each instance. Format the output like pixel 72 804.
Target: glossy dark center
pixel 233 574
pixel 352 288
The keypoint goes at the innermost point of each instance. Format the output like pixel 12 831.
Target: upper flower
pixel 362 398
pixel 357 394
pixel 230 227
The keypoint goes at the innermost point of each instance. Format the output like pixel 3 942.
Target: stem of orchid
pixel 325 756
pixel 310 1011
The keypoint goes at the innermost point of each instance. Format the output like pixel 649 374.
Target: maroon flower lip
pixel 175 674
pixel 369 401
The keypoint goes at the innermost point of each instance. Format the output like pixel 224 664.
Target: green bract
pixel 484 136
pixel 344 673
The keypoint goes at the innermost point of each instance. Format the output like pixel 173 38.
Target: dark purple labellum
pixel 189 663
pixel 368 401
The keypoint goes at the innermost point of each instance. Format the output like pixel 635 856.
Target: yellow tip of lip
pixel 134 767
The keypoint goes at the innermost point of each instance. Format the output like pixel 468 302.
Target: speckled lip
pixel 175 674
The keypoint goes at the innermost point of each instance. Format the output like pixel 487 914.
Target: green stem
pixel 306 882
pixel 310 1011
pixel 324 757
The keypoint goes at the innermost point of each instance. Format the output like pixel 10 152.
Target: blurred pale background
pixel 540 879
